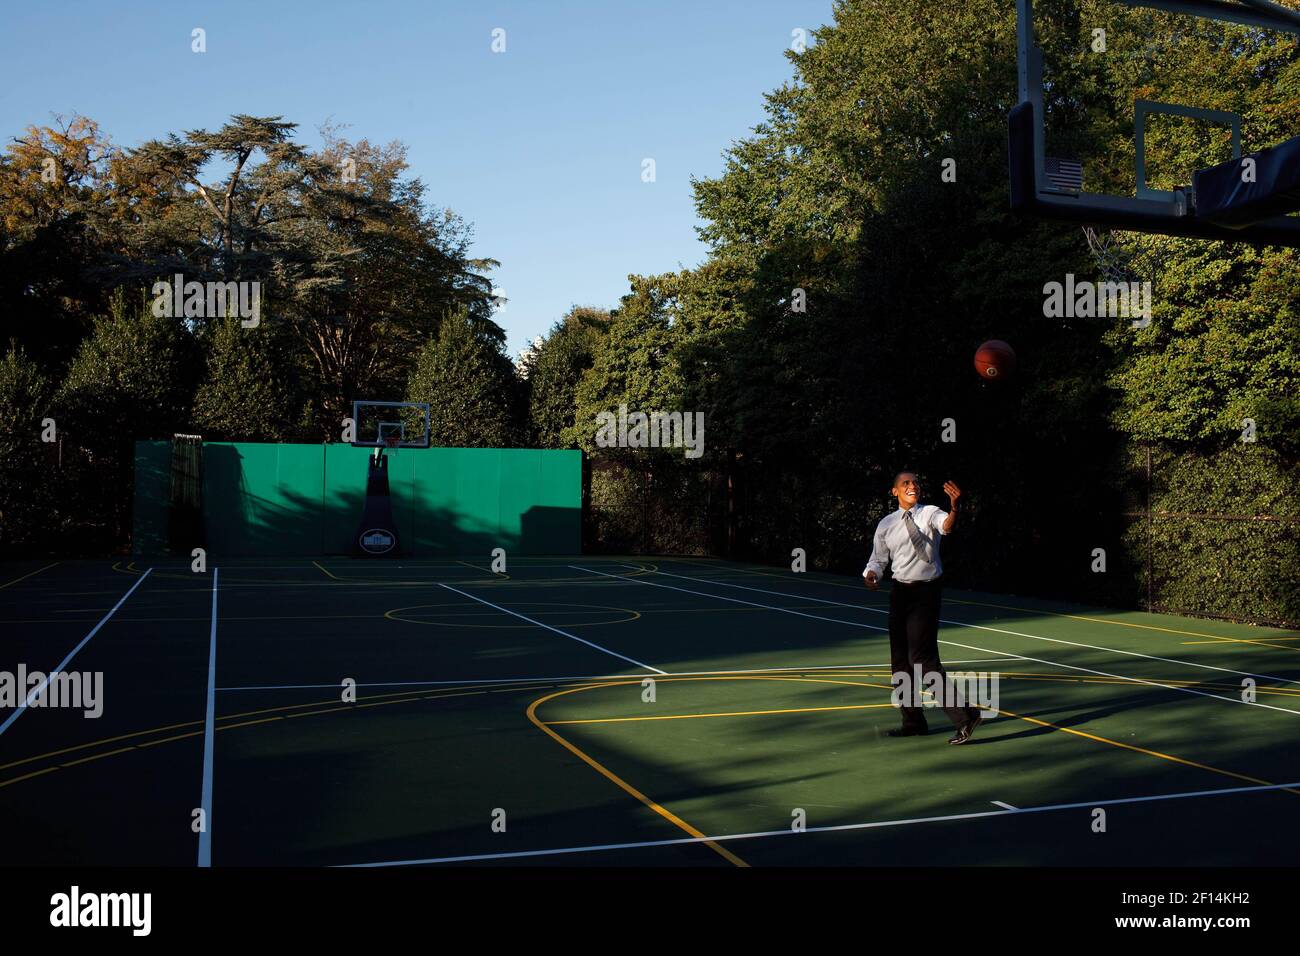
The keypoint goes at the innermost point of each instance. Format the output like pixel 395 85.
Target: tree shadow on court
pixel 1134 741
pixel 427 779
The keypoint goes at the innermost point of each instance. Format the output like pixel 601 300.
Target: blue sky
pixel 539 147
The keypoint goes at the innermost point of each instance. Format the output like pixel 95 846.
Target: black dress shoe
pixel 907 732
pixel 967 730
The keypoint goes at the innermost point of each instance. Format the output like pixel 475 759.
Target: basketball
pixel 995 360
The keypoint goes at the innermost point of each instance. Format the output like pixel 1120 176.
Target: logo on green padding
pixel 377 541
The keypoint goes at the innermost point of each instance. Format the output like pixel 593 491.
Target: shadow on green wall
pixel 289 500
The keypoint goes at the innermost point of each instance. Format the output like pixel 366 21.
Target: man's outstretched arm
pixel 953 492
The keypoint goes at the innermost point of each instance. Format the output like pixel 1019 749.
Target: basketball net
pixel 1120 263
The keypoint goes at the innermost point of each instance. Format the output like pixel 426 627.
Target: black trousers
pixel 914 643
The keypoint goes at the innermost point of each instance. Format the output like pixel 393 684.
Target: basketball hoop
pixel 390 425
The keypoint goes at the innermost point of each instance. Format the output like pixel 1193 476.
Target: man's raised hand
pixel 952 491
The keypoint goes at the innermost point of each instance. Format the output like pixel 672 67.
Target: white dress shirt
pixel 892 544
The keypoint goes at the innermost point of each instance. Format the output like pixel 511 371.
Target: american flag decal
pixel 1063 175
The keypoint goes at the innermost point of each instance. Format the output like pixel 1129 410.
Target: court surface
pixel 505 719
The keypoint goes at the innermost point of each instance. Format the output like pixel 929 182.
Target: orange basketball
pixel 995 360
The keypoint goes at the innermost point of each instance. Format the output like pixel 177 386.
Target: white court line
pixel 1005 806
pixel 578 677
pixel 681 841
pixel 979 627
pixel 968 647
pixel 72 653
pixel 209 725
pixel 556 630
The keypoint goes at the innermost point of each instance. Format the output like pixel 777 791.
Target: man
pixel 909 539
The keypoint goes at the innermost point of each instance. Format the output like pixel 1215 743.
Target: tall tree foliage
pixel 132 379
pixel 829 335
pixel 469 384
pixel 28 504
pixel 568 350
pixel 250 390
pixel 57 222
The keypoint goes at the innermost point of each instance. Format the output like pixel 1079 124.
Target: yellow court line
pixel 1242 640
pixel 411 696
pixel 502 576
pixel 253 713
pixel 168 740
pixel 1246 640
pixel 532 716
pixel 1081 617
pixel 1143 750
pixel 734 713
pixel 28 575
pixel 327 572
pixel 204 619
pixel 1133 747
pixel 28 776
pixel 627 787
pixel 1088 679
pixel 249 723
pixel 474 690
pixel 96 743
pixel 107 753
pixel 623 784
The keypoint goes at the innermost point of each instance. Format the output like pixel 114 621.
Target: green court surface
pixel 521 698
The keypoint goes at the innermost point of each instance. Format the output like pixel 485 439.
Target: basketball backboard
pixel 1226 194
pixel 390 424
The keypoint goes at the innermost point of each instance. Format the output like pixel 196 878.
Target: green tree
pixel 470 386
pixel 56 225
pixel 249 391
pixel 568 350
pixel 636 363
pixel 132 379
pixel 27 502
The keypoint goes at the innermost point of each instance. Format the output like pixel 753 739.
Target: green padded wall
pixel 261 499
pixel 264 499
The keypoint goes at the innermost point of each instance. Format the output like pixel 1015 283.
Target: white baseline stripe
pixel 969 647
pixel 72 653
pixel 982 627
pixel 209 731
pixel 580 677
pixel 554 630
pixel 829 829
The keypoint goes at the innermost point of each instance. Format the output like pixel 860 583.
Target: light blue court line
pixel 555 630
pixel 581 677
pixel 837 828
pixel 978 627
pixel 71 654
pixel 966 647
pixel 205 836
